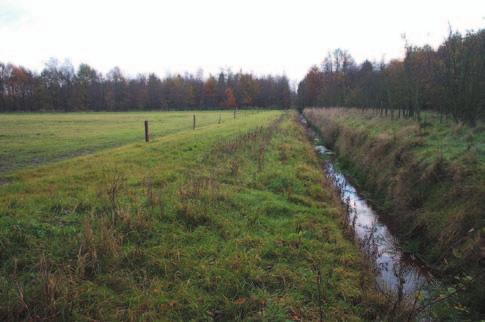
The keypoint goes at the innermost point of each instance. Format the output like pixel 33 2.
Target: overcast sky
pixel 260 36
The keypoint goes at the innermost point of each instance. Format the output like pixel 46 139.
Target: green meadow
pixel 435 136
pixel 31 139
pixel 231 221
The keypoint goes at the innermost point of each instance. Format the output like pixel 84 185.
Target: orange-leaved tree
pixel 230 98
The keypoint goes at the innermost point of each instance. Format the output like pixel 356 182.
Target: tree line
pixel 449 80
pixel 61 87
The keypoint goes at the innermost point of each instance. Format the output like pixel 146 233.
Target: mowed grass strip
pixel 228 222
pixel 31 139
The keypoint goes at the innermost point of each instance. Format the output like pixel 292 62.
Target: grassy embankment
pixel 31 139
pixel 427 177
pixel 227 222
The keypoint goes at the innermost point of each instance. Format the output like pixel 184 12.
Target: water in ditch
pixel 396 272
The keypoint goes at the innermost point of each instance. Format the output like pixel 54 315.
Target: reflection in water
pixel 393 270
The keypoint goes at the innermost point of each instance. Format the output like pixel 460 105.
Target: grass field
pixel 227 222
pixel 30 139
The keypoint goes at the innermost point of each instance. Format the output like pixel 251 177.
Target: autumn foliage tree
pixel 449 80
pixel 60 87
pixel 230 98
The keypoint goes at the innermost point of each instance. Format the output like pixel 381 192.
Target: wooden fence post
pixel 234 112
pixel 147 137
pixel 194 122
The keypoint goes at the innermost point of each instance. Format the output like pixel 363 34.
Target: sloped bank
pixel 434 204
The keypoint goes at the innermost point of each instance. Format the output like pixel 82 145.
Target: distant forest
pixel 449 80
pixel 60 87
